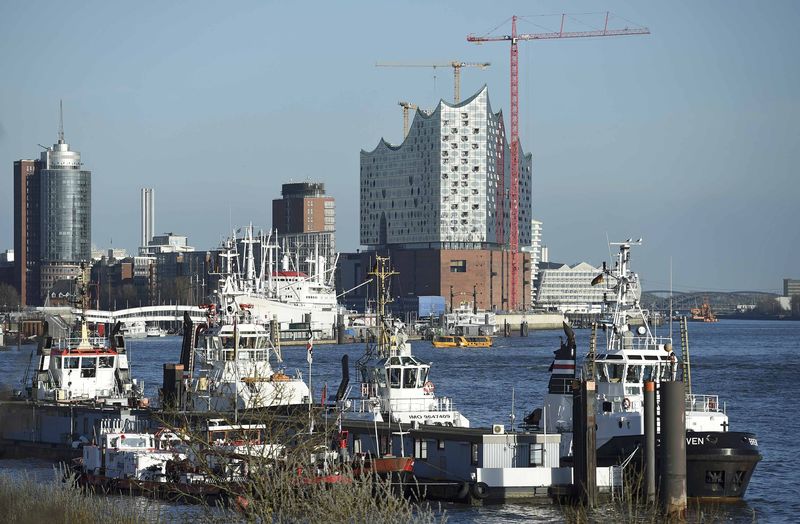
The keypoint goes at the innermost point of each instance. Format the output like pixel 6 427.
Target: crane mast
pixel 455 64
pixel 514 39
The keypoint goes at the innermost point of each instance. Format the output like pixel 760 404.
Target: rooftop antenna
pixel 60 121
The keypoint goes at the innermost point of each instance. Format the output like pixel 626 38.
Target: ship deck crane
pixel 455 64
pixel 514 38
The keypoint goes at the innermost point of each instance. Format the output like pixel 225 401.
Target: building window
pixel 458 266
pixel 421 449
pixel 474 454
pixel 440 444
pixel 536 455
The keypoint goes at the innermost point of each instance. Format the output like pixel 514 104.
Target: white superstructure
pixel 276 286
pixel 230 368
pixel 395 385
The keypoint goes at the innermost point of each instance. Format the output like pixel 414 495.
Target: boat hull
pixel 719 465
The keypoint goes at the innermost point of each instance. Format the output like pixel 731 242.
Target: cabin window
pixel 474 454
pixel 105 362
pixel 88 367
pixel 423 375
pixel 394 377
pixel 410 378
pixel 634 374
pixel 536 455
pixel 356 445
pixel 421 449
pixel 57 362
pixel 648 374
pixel 601 373
pixel 440 444
pixel 615 372
pixel 71 362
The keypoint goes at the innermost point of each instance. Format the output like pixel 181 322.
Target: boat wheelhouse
pixel 719 462
pixel 83 367
pixel 396 385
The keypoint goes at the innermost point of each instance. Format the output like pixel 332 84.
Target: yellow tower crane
pixel 406 106
pixel 455 64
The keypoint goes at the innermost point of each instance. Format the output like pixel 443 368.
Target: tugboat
pixel 395 385
pixel 720 463
pixel 85 368
pixel 226 360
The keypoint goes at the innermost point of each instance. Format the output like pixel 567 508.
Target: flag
pixel 310 350
pixel 597 280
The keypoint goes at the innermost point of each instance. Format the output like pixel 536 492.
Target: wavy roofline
pixel 419 113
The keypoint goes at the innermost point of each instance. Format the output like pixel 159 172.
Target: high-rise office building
pixel 439 205
pixel 26 231
pixel 305 220
pixel 65 207
pixel 148 215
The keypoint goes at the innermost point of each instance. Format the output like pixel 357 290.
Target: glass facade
pixel 447 182
pixel 66 215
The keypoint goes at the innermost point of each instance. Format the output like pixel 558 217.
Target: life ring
pixel 626 403
pixel 480 490
pixel 428 387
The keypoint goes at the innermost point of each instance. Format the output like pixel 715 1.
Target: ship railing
pixel 703 403
pixel 72 342
pixel 646 343
pixel 437 404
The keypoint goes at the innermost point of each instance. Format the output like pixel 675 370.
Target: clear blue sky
pixel 688 137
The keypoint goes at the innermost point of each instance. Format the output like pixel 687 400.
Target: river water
pixel 754 366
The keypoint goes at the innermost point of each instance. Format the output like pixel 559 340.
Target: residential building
pixel 305 221
pixel 569 289
pixel 166 243
pixel 535 249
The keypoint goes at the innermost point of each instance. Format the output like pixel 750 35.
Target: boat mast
pixel 382 274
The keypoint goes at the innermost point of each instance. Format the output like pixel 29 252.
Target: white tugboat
pixel 85 368
pixel 395 385
pixel 719 462
pixel 227 359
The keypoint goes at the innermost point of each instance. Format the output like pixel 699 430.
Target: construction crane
pixel 406 106
pixel 455 64
pixel 514 38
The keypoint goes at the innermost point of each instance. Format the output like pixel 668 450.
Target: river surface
pixel 754 366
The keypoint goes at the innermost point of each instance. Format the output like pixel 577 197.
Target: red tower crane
pixel 514 37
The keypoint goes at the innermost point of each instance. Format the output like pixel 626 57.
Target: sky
pixel 687 137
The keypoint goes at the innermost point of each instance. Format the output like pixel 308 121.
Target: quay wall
pixel 534 320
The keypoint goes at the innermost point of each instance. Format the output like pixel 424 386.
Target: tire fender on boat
pixel 480 490
pixel 463 490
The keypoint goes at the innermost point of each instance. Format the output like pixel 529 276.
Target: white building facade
pixel 569 289
pixel 447 185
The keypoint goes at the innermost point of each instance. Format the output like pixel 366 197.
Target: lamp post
pixel 19 327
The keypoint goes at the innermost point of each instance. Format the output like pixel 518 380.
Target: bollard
pixel 650 440
pixel 673 450
pixel 340 329
pixel 584 443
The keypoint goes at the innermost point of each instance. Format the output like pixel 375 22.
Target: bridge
pixel 720 301
pixel 164 313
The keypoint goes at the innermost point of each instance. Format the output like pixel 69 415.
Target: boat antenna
pixel 670 297
pixel 513 415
